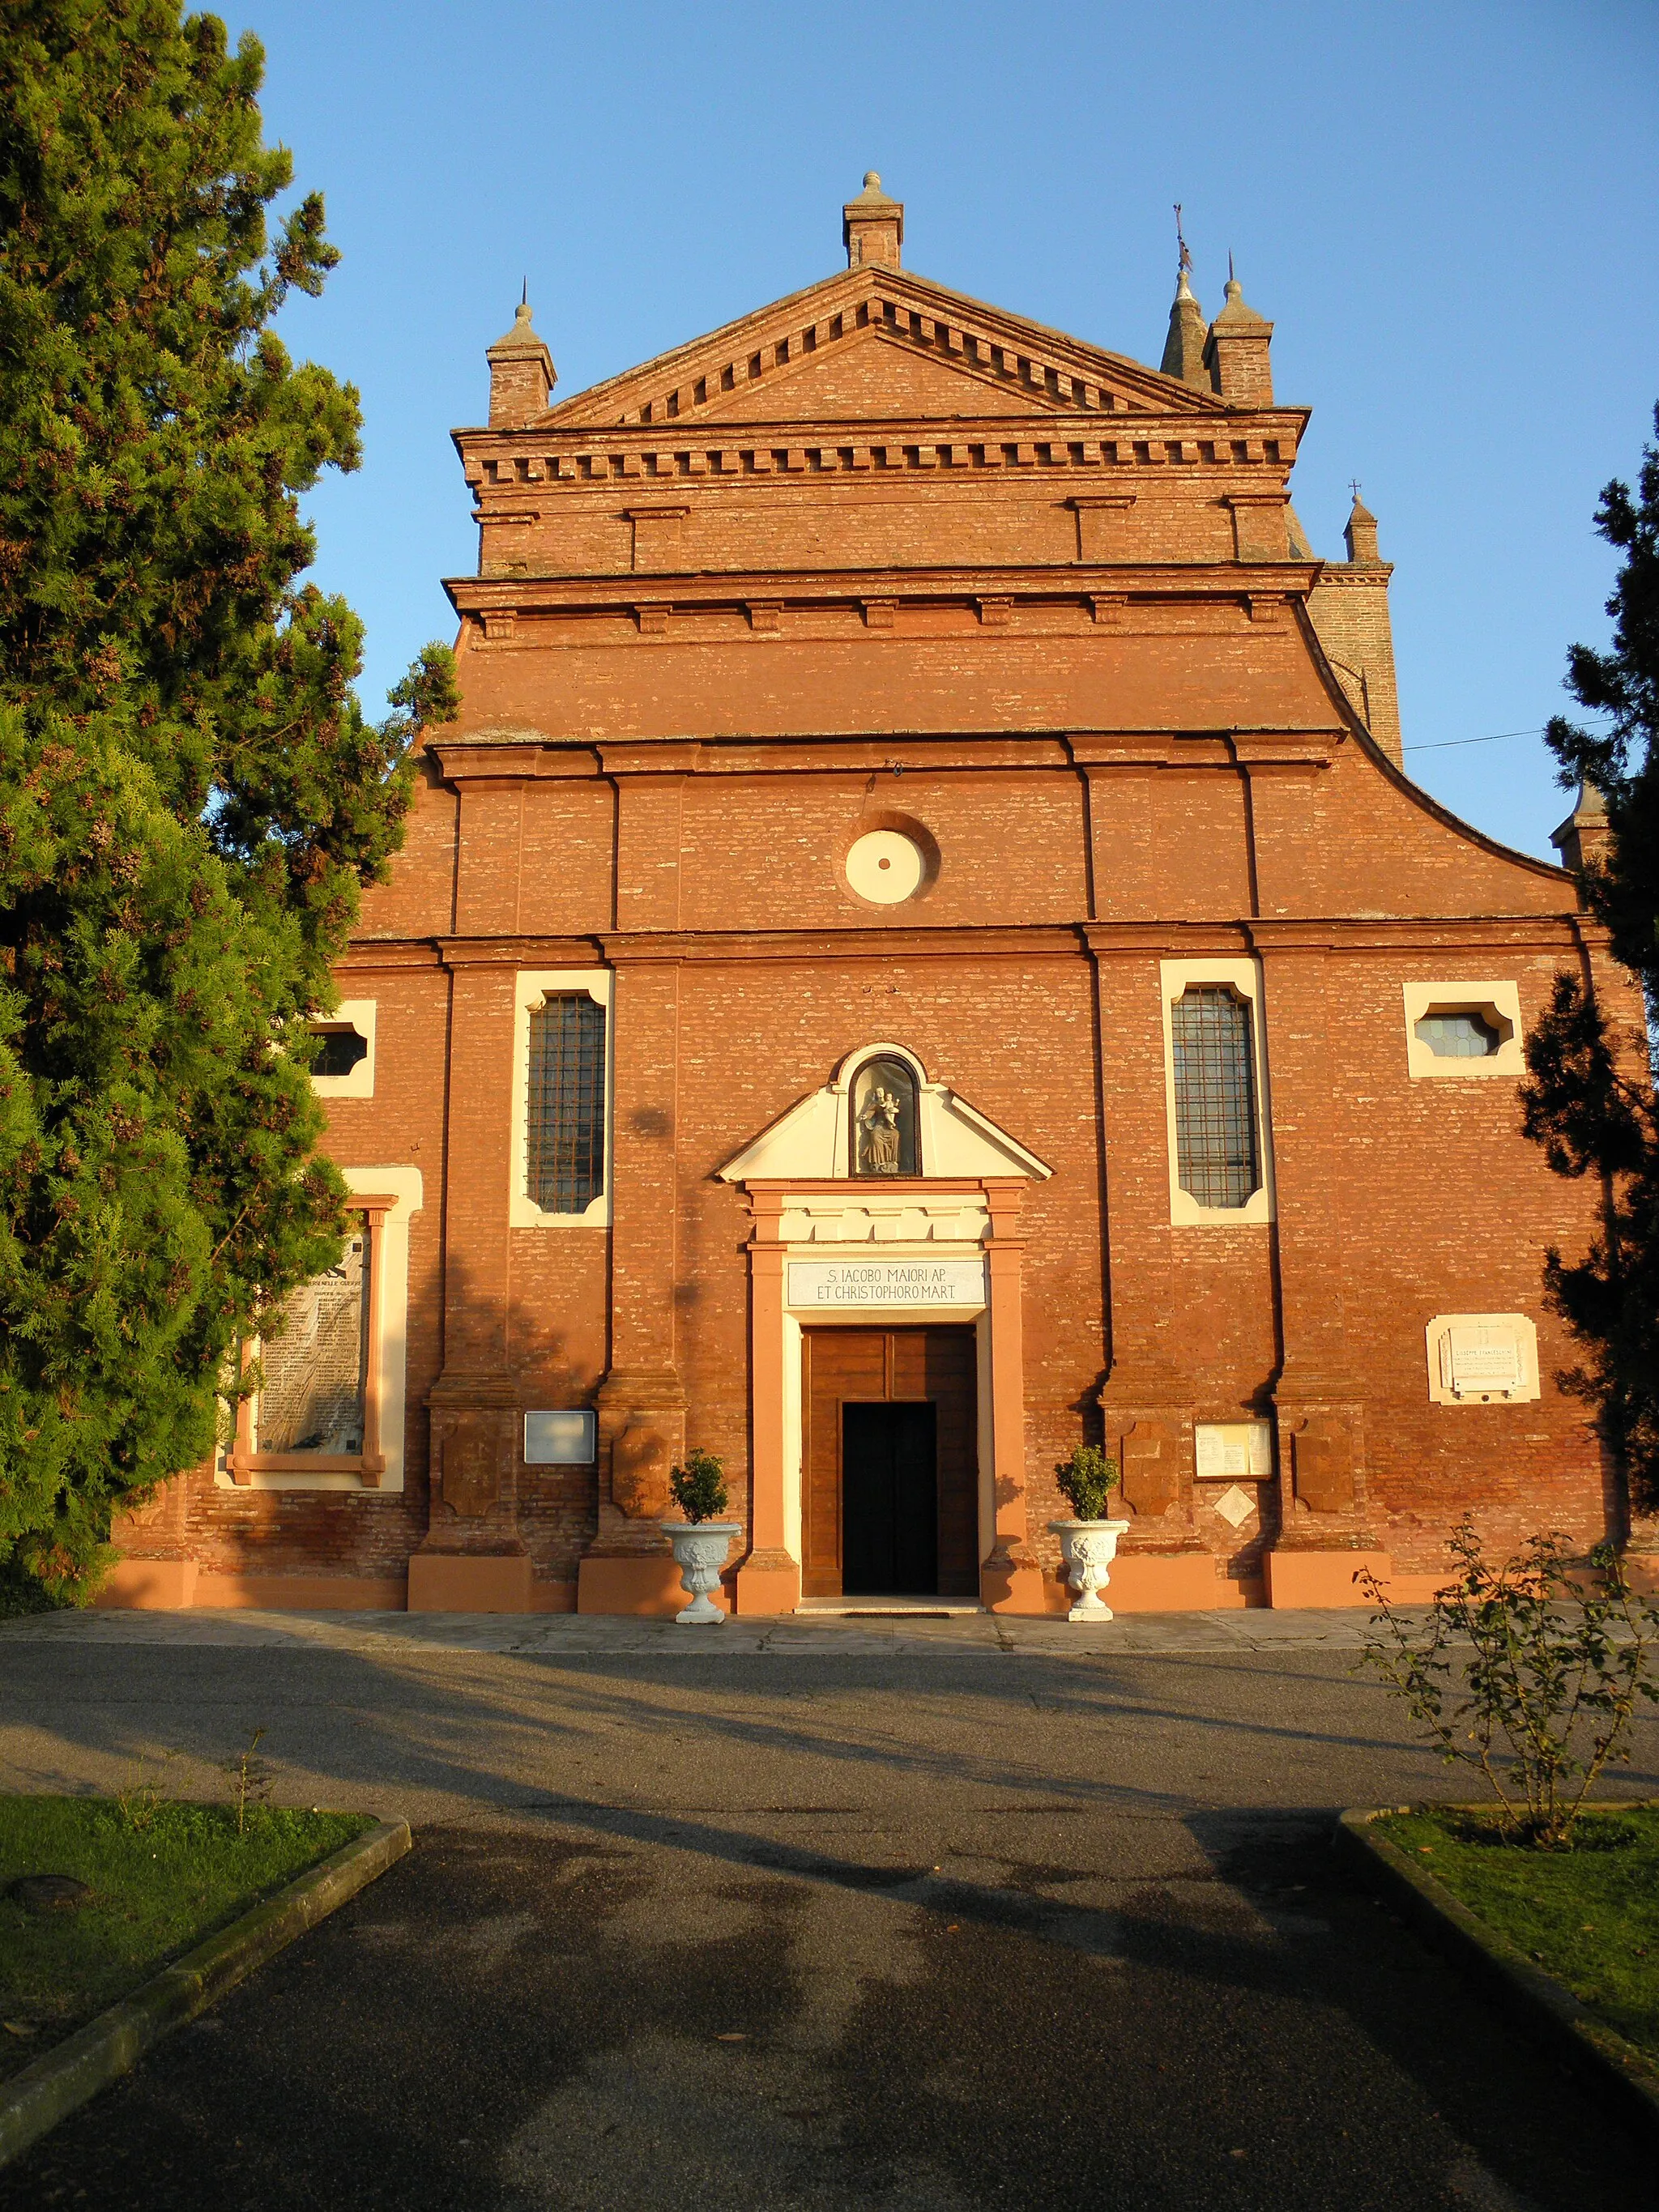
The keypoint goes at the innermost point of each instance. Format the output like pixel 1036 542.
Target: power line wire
pixel 1443 744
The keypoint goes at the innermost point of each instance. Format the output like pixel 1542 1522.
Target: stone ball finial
pixel 872 181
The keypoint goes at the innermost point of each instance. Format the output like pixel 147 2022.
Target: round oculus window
pixel 885 866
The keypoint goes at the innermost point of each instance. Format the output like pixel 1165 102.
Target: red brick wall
pixel 1120 761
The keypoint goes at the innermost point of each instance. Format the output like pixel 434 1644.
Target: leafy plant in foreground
pixel 1529 1671
pixel 250 1779
pixel 191 797
pixel 1589 1098
pixel 139 1797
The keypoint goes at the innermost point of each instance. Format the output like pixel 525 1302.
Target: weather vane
pixel 1180 240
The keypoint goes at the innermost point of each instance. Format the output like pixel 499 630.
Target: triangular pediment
pixel 812 1143
pixel 876 344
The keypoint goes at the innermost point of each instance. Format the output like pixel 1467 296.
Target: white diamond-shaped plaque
pixel 1235 1506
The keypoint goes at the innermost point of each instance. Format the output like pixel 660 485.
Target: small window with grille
pixel 1218 1156
pixel 342 1062
pixel 1457 1029
pixel 564 1128
pixel 1463 1033
pixel 342 1048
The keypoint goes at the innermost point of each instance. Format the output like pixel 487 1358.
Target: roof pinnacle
pixel 1183 349
pixel 521 372
pixel 873 226
pixel 1361 530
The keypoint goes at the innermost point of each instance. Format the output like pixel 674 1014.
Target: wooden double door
pixel 890 1462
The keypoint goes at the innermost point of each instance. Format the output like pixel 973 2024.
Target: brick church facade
pixel 919 952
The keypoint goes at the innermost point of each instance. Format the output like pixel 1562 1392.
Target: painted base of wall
pixel 1014 1589
pixel 470 1582
pixel 1165 1582
pixel 176 1585
pixel 764 1592
pixel 150 1585
pixel 301 1593
pixel 1318 1580
pixel 648 1585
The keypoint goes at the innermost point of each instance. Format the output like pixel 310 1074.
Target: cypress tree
pixel 1589 1100
pixel 190 794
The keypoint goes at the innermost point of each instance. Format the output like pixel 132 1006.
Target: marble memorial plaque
pixel 312 1395
pixel 1235 1506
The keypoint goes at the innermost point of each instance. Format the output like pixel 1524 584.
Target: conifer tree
pixel 190 795
pixel 1589 1100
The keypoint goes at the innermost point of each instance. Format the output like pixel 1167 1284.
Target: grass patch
pixel 162 1876
pixel 1589 1916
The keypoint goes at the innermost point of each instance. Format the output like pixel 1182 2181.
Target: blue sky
pixel 1451 212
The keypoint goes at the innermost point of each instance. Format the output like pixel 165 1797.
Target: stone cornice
pixel 1418 932
pixel 514 473
pixel 1348 574
pixel 735 590
pixel 496 756
pixel 1328 935
pixel 1333 935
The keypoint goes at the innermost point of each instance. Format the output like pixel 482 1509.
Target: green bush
pixel 1529 1671
pixel 1087 1480
pixel 699 1487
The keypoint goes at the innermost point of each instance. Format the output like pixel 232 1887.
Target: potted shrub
pixel 700 1541
pixel 1089 1543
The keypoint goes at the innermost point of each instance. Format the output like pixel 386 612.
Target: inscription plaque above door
pixel 887 1282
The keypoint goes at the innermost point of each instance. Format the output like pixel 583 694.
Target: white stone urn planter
pixel 700 1551
pixel 1088 1548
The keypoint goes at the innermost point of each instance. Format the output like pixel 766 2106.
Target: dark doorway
pixel 890 1526
pixel 851 1374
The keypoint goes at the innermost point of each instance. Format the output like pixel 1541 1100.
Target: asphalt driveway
pixel 919 1922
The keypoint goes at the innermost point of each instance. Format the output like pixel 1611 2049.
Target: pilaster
pixel 1318 1398
pixel 642 1406
pixel 769 1580
pixel 1147 1398
pixel 1011 1578
pixel 473 1405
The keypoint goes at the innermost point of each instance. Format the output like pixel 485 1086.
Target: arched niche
pixel 884 1117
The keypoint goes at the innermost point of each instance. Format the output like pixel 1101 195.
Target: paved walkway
pixel 889 1918
pixel 565 1635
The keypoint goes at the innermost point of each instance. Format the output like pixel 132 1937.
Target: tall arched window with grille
pixel 564 1126
pixel 1218 1160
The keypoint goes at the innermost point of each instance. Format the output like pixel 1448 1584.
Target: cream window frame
pixel 385 1200
pixel 1175 977
pixel 1498 1003
pixel 530 986
pixel 358 1014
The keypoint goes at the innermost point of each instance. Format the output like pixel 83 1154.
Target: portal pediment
pixel 875 345
pixel 813 1142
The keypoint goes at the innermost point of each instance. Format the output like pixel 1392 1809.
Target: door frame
pixel 883 1324
pixel 901 1220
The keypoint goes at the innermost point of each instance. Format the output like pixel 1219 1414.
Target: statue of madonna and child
pixel 878 1131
